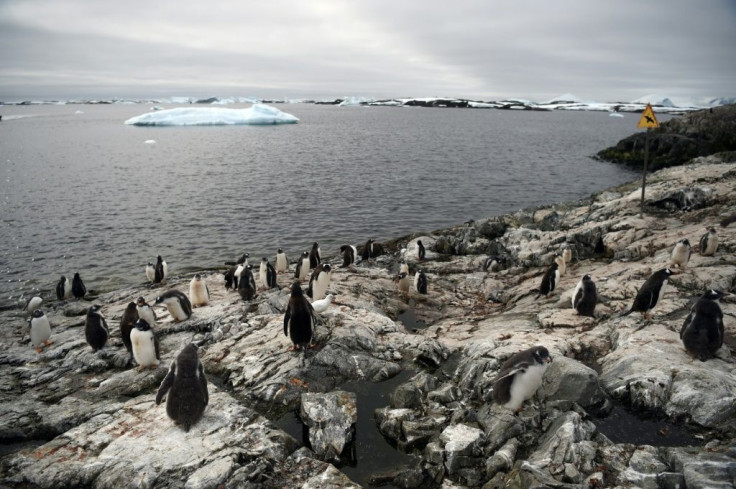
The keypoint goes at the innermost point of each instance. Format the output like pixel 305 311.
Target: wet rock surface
pixel 72 417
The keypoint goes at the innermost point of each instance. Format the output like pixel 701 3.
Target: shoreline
pixel 94 418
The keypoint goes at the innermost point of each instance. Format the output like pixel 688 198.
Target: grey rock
pixel 463 446
pixel 502 459
pixel 331 418
pixel 568 379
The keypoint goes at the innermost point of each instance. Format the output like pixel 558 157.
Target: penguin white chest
pixel 144 348
pixel 661 292
pixel 303 269
pixel 40 331
pixel 281 263
pixel 320 285
pixel 404 284
pixel 146 314
pixel 524 385
pixel 175 309
pixel 262 276
pixel 198 293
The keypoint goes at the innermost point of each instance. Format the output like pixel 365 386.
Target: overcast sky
pixel 597 50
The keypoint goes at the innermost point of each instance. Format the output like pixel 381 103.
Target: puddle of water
pixel 622 426
pixel 371 453
pixel 409 318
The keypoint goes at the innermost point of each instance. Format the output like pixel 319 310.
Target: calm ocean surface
pixel 82 192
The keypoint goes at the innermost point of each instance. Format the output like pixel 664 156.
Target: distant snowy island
pixel 660 103
pixel 258 114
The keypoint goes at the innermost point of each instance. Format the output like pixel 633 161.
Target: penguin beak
pixel 549 360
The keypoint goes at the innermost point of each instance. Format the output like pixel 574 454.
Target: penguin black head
pixel 62 278
pixel 197 277
pixel 249 267
pixel 685 242
pixel 280 250
pixel 76 276
pixel 296 290
pixel 95 309
pixel 141 301
pixel 419 242
pixel 327 267
pixel 541 355
pixel 343 248
pixel 315 245
pixel 714 295
pixel 150 264
pixel 554 265
pixel 712 230
pixel 159 259
pixel 587 277
pixel 142 325
pixel 37 313
pixel 305 254
pixel 159 300
pixel 668 272
pixel 399 276
pixel 264 259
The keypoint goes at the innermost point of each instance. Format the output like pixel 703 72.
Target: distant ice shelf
pixel 258 114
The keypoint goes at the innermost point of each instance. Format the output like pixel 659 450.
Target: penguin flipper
pixel 166 383
pixel 688 321
pixel 721 330
pixel 203 383
pixel 515 369
pixel 287 318
pixel 156 345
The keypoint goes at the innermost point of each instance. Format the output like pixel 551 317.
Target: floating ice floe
pixel 149 141
pixel 79 112
pixel 258 114
pixel 615 114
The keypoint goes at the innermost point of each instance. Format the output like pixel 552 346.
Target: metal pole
pixel 644 175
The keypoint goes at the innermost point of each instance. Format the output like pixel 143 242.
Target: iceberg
pixel 258 114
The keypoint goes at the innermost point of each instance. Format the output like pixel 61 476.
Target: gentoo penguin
pixel 550 279
pixel 349 253
pixel 127 323
pixel 368 249
pixel 520 377
pixel 321 305
pixel 240 266
pixel 319 281
pixel 40 330
pixel 585 297
pixel 160 270
pixel 561 266
pixel 247 285
pixel 199 293
pixel 421 252
pixel 150 272
pixel 267 274
pixel 282 261
pixel 145 345
pixel 78 288
pixel 420 281
pixel 63 289
pixel 177 304
pixel 299 319
pixel 567 254
pixel 709 242
pixel 403 267
pixel 493 263
pixel 650 292
pixel 95 328
pixel 302 267
pixel 145 311
pixel 315 257
pixel 702 332
pixel 186 386
pixel 33 303
pixel 402 279
pixel 681 254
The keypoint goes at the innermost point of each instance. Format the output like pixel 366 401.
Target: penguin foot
pixel 293 348
pixel 39 349
pixel 47 343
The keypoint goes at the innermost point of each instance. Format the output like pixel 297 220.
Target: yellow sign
pixel 648 119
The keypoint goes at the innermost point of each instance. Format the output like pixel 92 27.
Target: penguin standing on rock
pixel 127 323
pixel 420 282
pixel 230 278
pixel 493 263
pixel 63 289
pixel 349 254
pixel 709 242
pixel 150 272
pixel 247 285
pixel 145 345
pixel 78 288
pixel 267 274
pixel 421 252
pixel 549 280
pixel 302 267
pixel 282 261
pixel 240 267
pixel 702 332
pixel 40 330
pixel 177 303
pixel 199 293
pixel 369 250
pixel 681 254
pixel 315 257
pixel 585 297
pixel 651 292
pixel 145 311
pixel 299 319
pixel 160 271
pixel 95 328
pixel 520 377
pixel 402 281
pixel 319 281
pixel 186 386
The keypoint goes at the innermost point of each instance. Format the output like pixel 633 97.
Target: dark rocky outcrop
pixel 679 140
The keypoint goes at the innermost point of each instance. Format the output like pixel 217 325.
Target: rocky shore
pixel 71 417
